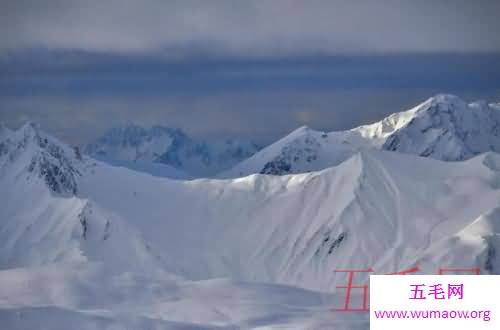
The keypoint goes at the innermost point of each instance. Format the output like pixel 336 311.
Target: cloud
pixel 77 96
pixel 241 68
pixel 181 28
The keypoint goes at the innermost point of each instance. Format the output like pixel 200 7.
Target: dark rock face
pixel 300 152
pixel 491 254
pixel 336 243
pixel 48 159
pixel 392 143
pixel 447 128
pixel 331 244
pixel 277 167
pixel 58 175
pixel 54 166
pixel 84 223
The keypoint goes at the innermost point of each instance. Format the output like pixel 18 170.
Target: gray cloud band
pixel 258 28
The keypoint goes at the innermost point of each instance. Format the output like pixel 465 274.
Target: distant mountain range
pixel 136 147
pixel 444 127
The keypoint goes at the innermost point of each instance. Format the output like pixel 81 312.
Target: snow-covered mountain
pixel 444 127
pixel 137 147
pixel 116 247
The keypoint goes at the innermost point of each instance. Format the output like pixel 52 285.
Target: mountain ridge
pixel 443 127
pixel 169 146
pixel 314 208
pixel 128 243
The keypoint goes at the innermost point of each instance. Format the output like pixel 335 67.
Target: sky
pixel 241 69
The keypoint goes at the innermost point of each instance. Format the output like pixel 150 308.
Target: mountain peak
pixel 169 146
pixel 304 129
pixel 36 154
pixel 445 98
pixel 447 128
pixel 30 129
pixel 443 127
pixel 303 132
pixel 443 103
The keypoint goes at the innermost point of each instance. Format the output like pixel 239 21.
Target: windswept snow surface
pixel 86 245
pixel 444 127
pixel 89 296
pixel 153 168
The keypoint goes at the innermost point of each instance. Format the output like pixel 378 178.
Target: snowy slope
pixel 277 229
pixel 153 168
pixel 90 297
pixel 377 208
pixel 65 214
pixel 172 147
pixel 43 219
pixel 444 127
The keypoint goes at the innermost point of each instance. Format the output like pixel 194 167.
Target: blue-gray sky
pixel 253 69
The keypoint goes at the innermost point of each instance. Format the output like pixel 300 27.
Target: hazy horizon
pixel 253 70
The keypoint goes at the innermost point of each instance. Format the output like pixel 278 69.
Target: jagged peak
pixel 399 120
pixel 434 106
pixel 303 128
pixel 44 156
pixel 445 98
pixel 455 103
pixel 301 131
pixel 167 129
pixel 134 134
pixel 30 129
pixel 28 133
pixel 445 103
pixel 31 132
pixel 440 103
